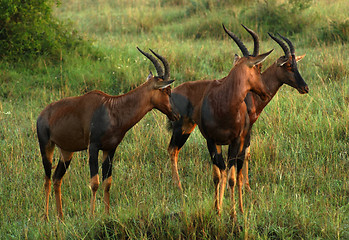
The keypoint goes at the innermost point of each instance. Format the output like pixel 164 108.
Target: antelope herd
pixel 225 111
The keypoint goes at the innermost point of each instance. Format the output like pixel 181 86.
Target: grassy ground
pixel 299 168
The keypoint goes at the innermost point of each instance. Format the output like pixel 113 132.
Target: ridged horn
pixel 281 43
pixel 255 41
pixel 156 63
pixel 166 76
pixel 292 50
pixel 238 42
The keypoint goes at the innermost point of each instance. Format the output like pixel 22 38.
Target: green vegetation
pixel 29 29
pixel 300 144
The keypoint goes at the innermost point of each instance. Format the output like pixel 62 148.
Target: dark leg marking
pixel 61 169
pixel 93 160
pixel 217 158
pixel 107 165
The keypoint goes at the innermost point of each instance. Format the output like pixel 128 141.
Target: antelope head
pixel 287 69
pixel 252 62
pixel 159 85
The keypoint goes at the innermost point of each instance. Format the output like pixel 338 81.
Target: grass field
pixel 300 144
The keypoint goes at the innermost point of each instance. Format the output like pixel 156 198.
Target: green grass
pixel 299 167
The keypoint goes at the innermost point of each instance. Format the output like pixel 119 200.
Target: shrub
pixel 29 29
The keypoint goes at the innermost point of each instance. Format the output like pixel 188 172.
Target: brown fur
pixel 68 124
pixel 220 112
pixel 273 78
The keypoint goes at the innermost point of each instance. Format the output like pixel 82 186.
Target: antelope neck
pixel 132 106
pixel 271 81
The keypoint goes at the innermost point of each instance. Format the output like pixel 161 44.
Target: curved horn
pixel 238 42
pixel 156 63
pixel 255 41
pixel 289 44
pixel 281 43
pixel 166 76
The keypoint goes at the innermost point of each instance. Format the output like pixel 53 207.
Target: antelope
pixel 283 71
pixel 97 121
pixel 218 108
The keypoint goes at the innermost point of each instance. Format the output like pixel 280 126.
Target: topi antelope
pixel 218 108
pixel 283 71
pixel 97 121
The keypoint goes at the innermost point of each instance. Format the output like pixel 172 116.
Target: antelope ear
pixel 163 84
pixel 259 59
pixel 236 58
pixel 298 58
pixel 281 61
pixel 150 76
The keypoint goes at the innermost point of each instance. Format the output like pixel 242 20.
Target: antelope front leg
pixel 223 184
pixel 239 182
pixel 240 163
pixel 174 159
pixel 245 170
pixel 94 184
pixel 107 184
pixel 180 135
pixel 219 174
pixel 232 183
pixel 107 167
pixel 94 180
pixel 216 182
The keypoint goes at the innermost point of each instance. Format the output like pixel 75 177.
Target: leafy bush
pixel 29 29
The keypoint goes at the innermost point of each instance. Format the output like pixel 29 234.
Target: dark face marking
pixel 302 86
pixel 292 77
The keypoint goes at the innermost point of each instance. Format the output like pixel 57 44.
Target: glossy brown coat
pixel 95 121
pixel 273 77
pixel 218 108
